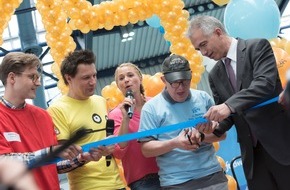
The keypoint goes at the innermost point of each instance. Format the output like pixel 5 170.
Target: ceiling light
pixel 124 32
pixel 127 32
pixel 124 40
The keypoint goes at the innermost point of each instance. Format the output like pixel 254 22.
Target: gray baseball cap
pixel 176 67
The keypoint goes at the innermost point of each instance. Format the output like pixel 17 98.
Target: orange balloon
pixel 107 91
pixel 283 43
pixel 159 75
pixel 132 16
pixel 193 85
pixel 119 95
pixel 86 17
pixel 196 57
pixel 216 146
pixel 177 49
pixel 113 95
pixel 287 46
pixel 155 85
pixel 196 68
pixel 85 28
pixel 115 92
pixel 171 15
pixel 222 162
pixel 195 77
pixel 283 63
pixel 221 2
pixel 278 42
pixel 232 184
pixel 145 79
pixel 112 102
pixel 275 42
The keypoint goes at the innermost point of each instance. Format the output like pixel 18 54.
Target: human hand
pixel 127 102
pixel 13 173
pixel 188 140
pixel 95 154
pixel 207 127
pixel 92 155
pixel 106 150
pixel 218 112
pixel 70 153
pixel 281 99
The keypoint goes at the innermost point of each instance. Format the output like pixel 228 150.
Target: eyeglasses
pixel 33 77
pixel 184 83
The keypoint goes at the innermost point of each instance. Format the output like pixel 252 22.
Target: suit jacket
pixel 257 81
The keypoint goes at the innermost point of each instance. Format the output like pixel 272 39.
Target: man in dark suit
pixel 244 76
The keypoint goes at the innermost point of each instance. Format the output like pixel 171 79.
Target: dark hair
pixel 73 59
pixel 17 62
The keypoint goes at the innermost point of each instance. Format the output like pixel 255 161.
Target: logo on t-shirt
pixel 96 118
pixel 56 130
pixel 196 112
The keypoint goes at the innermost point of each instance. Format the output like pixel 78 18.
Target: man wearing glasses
pixel 186 158
pixel 26 131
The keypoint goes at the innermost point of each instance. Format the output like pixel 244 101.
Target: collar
pixel 232 53
pixel 11 106
pixel 168 98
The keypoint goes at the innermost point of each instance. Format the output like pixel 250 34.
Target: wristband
pixel 202 136
pixel 50 149
pixel 80 159
pixel 79 163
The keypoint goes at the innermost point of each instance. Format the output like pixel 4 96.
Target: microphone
pixel 129 94
pixel 110 125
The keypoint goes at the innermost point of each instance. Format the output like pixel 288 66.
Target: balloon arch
pixel 161 14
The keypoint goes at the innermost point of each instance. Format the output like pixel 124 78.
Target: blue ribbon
pixel 147 133
pixel 165 129
pixel 266 102
pixel 137 135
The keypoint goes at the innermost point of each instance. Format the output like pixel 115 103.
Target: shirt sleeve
pixel 62 131
pixel 28 157
pixel 147 122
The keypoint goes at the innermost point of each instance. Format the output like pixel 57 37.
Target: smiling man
pixel 26 131
pixel 80 107
pixel 244 76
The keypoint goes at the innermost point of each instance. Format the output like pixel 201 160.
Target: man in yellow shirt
pixel 81 108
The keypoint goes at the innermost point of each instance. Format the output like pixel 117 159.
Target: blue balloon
pixel 161 29
pixel 252 19
pixel 153 21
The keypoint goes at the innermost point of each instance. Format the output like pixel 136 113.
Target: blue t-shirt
pixel 179 166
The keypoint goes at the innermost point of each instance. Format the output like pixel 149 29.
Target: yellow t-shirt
pixel 68 116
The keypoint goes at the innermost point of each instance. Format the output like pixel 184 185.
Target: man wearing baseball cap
pixel 186 158
pixel 175 68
